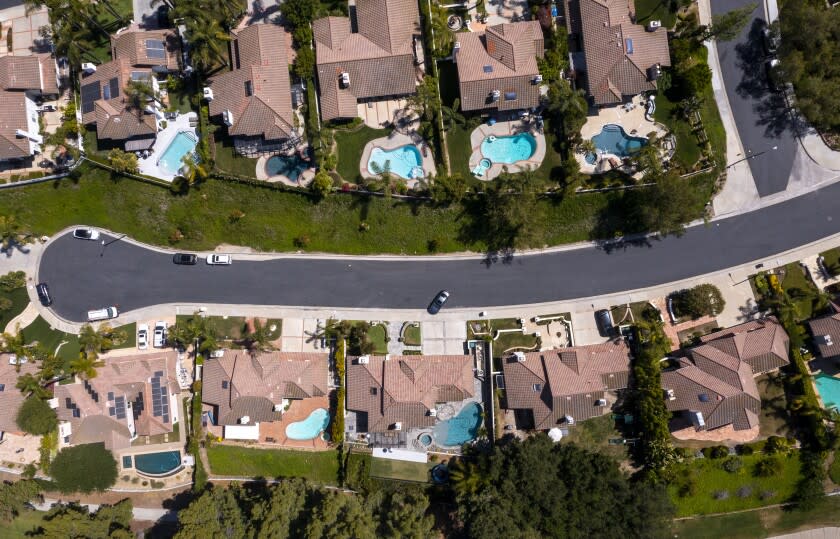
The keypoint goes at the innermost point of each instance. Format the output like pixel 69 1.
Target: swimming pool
pixel 612 139
pixel 460 429
pixel 310 427
pixel 290 166
pixel 157 464
pixel 829 388
pixel 510 149
pixel 171 159
pixel 405 161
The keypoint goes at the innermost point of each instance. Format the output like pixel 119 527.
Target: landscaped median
pixel 235 461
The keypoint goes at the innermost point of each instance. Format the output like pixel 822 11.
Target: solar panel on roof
pixel 159 374
pixel 77 412
pixel 112 411
pixel 90 93
pixel 121 414
pixel 488 69
pixel 155 48
pixel 2 387
pixel 110 395
pixel 166 418
pixel 114 85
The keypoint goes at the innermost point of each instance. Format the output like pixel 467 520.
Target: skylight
pixel 488 69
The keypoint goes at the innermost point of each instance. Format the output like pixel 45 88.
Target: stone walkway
pixel 395 346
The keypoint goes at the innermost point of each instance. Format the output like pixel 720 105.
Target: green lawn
pixel 316 466
pixel 411 334
pixel 647 10
pixel 506 341
pixel 350 145
pixel 397 469
pixel 710 479
pixel 229 161
pixel 831 260
pixel 24 525
pixel 377 335
pixel 774 419
pixel 594 434
pixel 762 523
pixel 102 43
pixel 39 330
pixel 801 290
pixel 20 299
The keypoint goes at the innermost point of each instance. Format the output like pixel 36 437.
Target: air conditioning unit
pixel 88 68
pixel 398 425
pixel 53 403
pixel 520 356
pixel 601 402
pixel 538 79
pixel 669 393
pixel 364 360
pixel 653 26
pixel 495 95
pixel 569 420
pixel 387 357
pixel 345 79
pixel 227 117
pixel 433 412
pixel 826 340
pixel 456 48
pixel 244 420
pixel 697 419
pixel 208 94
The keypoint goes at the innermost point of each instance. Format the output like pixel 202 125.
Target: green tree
pixel 322 184
pixel 216 513
pixel 36 417
pixel 104 338
pixel 511 216
pixel 11 231
pixel 29 384
pixel 665 206
pixel 74 521
pixel 193 170
pixel 12 281
pixel 85 365
pixel 567 109
pixel 448 189
pixel 403 515
pixel 280 515
pixel 259 338
pixel 193 330
pixel 727 26
pixel 305 62
pixel 123 162
pixel 14 496
pixel 702 300
pixel 338 516
pixel 138 95
pixel 84 468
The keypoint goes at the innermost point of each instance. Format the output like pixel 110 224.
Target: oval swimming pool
pixel 288 166
pixel 158 464
pixel 613 139
pixel 405 161
pixel 509 149
pixel 460 429
pixel 309 428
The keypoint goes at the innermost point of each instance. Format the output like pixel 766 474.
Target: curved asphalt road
pixel 133 277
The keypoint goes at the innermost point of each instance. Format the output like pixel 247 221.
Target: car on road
pixel 44 294
pixel 160 335
pixel 185 259
pixel 438 302
pixel 143 336
pixel 85 233
pixel 219 260
pixel 771 38
pixel 772 76
pixel 103 314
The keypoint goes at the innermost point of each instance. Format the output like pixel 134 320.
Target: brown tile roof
pixel 718 379
pixel 129 377
pixel 257 91
pixel 13 116
pixel 565 381
pixel 826 332
pixel 10 397
pixel 262 381
pixel 404 388
pixel 618 53
pixel 114 117
pixel 503 58
pixel 18 75
pixel 135 45
pixel 379 58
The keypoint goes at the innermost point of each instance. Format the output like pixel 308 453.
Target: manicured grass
pixel 316 466
pixel 594 434
pixel 648 10
pixel 458 142
pixel 102 49
pixel 229 161
pixel 834 469
pixel 411 335
pixel 710 478
pixel 774 419
pixel 397 469
pixel 20 299
pixel 230 327
pixel 801 290
pixel 40 330
pixel 377 335
pixel 131 335
pixel 350 145
pixel 831 260
pixel 638 311
pixel 762 523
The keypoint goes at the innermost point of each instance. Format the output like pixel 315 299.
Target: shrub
pixel 36 417
pixel 776 444
pixel 767 495
pixel 745 491
pixel 12 280
pixel 716 452
pixel 158 484
pixel 733 464
pixel 135 480
pixel 5 304
pixel 84 468
pixel 721 494
pixel 702 300
pixel 767 467
pixel 29 471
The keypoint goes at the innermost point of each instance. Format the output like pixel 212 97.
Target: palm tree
pixel 258 339
pixel 451 116
pixel 14 343
pixel 31 385
pixel 193 171
pixel 587 146
pixel 206 39
pixel 194 330
pixel 85 365
pixel 11 231
pixel 138 94
pixel 94 341
pixel 466 477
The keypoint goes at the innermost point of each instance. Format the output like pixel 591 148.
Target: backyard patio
pixel 486 166
pixel 163 161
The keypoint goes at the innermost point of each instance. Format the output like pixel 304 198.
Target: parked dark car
pixel 605 322
pixel 185 259
pixel 44 294
pixel 438 302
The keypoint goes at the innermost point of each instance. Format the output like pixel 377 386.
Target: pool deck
pixel 298 411
pixel 393 141
pixel 505 129
pixel 149 166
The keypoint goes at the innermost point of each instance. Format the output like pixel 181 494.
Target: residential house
pixel 714 386
pixel 138 55
pixel 371 58
pixel 131 396
pixel 254 100
pixel 560 387
pixel 11 398
pixel 23 79
pixel 826 333
pixel 619 58
pixel 397 393
pixel 242 391
pixel 497 68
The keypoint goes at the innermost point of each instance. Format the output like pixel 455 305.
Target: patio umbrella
pixel 555 434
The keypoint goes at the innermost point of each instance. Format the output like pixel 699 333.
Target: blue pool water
pixel 405 161
pixel 591 158
pixel 310 427
pixel 158 463
pixel 829 388
pixel 460 429
pixel 181 145
pixel 612 139
pixel 289 166
pixel 509 150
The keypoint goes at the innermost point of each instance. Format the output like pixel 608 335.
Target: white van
pixel 103 314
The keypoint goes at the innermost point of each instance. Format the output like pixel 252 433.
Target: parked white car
pixel 219 260
pixel 143 336
pixel 160 335
pixel 86 234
